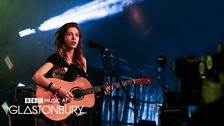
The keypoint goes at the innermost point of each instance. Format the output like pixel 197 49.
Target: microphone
pixel 94 44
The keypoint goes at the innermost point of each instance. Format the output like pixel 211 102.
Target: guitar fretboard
pixel 100 88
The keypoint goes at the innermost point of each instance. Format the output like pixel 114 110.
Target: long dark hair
pixel 60 44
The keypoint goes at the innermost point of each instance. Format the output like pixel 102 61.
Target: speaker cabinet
pixel 24 92
pixel 147 123
pixel 174 116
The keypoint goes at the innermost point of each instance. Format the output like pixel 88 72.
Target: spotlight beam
pixel 91 11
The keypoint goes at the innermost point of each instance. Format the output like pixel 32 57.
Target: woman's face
pixel 72 38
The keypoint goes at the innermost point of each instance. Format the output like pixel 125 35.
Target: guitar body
pixel 49 102
pixel 84 96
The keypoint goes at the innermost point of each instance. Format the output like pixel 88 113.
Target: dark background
pixel 171 28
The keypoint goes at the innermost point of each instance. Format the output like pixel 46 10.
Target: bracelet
pixel 48 87
pixel 56 92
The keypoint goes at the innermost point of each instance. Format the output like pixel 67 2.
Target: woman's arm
pixel 40 79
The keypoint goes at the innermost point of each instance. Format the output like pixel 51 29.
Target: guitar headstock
pixel 145 80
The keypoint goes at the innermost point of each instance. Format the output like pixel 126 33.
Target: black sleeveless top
pixel 63 70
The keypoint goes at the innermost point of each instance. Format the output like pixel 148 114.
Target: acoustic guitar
pixel 58 109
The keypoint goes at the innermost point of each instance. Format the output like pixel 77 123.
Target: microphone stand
pixel 129 97
pixel 110 83
pixel 109 69
pixel 162 84
pixel 161 64
pixel 117 96
pixel 111 73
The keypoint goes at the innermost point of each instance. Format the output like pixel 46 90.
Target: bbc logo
pixel 33 100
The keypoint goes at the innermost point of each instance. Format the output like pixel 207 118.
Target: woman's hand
pixel 65 94
pixel 107 89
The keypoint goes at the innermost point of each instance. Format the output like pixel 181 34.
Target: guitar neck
pixel 124 83
pixel 98 89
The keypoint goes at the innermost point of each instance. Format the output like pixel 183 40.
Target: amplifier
pixel 24 92
pixel 174 116
pixel 147 123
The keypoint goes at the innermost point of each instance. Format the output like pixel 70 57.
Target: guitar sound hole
pixel 77 93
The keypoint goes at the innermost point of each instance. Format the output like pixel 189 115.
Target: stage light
pixel 21 85
pixel 161 60
pixel 209 62
pixel 188 67
pixel 5 107
pixel 206 66
pixel 91 11
pixel 201 68
pixel 27 31
pixel 212 65
pixel 8 62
